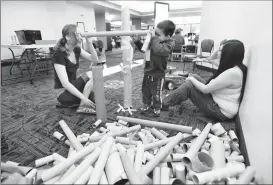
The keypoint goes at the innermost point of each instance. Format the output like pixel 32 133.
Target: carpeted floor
pixel 29 116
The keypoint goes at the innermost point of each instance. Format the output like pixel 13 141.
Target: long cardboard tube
pixel 146 42
pixel 143 138
pixel 80 169
pixel 53 180
pixel 83 179
pixel 202 162
pixel 31 174
pixel 58 157
pixel 247 176
pixel 115 33
pixel 128 166
pixel 196 145
pixel 103 179
pixel 63 165
pixel 67 173
pixel 156 144
pixel 180 171
pixel 121 133
pixel 11 168
pixel 59 136
pixel 233 136
pixel 124 123
pixel 139 156
pixel 13 163
pixel 44 161
pixel 165 175
pixel 114 169
pixel 125 140
pixel 217 153
pixel 218 129
pixel 219 174
pixel 156 124
pixel 70 135
pixel 162 154
pixel 156 175
pixel 101 162
pixel 97 123
pixel 157 134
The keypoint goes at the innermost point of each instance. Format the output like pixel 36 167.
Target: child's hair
pixel 167 27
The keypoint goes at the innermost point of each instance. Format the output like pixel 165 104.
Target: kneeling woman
pixel 220 97
pixel 66 63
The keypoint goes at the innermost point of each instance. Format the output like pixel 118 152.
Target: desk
pixel 31 49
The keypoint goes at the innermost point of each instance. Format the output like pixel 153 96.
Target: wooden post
pixel 99 92
pixel 127 62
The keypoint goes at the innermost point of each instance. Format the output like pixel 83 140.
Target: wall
pixel 250 22
pixel 47 16
pixel 101 26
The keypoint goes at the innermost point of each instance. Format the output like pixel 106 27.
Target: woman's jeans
pixel 68 99
pixel 202 101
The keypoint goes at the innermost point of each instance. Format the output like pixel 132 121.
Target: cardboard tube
pixel 233 136
pixel 186 146
pixel 103 130
pixel 156 124
pixel 231 180
pixel 44 161
pixel 67 173
pixel 165 175
pixel 70 135
pixel 189 182
pixel 139 156
pixel 204 151
pixel 128 166
pixel 247 176
pixel 218 129
pixel 143 138
pixel 103 179
pixel 63 165
pixel 115 33
pixel 234 153
pixel 206 145
pixel 157 134
pixel 53 180
pixel 114 169
pixel 196 145
pixel 100 164
pixel 180 171
pixel 123 122
pixel 156 144
pixel 178 149
pixel 99 92
pixel 234 147
pixel 97 123
pixel 202 162
pixel 32 174
pixel 12 168
pixel 59 136
pixel 13 163
pixel 125 140
pixel 58 157
pixel 80 169
pixel 146 42
pixel 162 154
pixel 174 181
pixel 83 179
pixel 218 174
pixel 227 153
pixel 217 153
pixel 238 158
pixel 156 175
pixel 190 174
pixel 164 133
pixel 67 142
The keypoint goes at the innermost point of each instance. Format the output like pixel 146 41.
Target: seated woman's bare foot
pixel 88 110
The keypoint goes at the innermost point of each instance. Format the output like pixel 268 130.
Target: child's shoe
pixel 145 109
pixel 155 113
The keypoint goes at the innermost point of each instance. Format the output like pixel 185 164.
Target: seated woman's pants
pixel 68 99
pixel 202 101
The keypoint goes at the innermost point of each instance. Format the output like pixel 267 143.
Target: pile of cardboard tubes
pixel 143 153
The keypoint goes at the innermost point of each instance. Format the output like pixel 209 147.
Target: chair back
pixel 177 47
pixel 207 45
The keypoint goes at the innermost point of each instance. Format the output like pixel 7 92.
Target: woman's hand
pixel 190 78
pixel 86 101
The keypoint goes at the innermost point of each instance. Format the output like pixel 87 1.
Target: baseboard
pixel 241 138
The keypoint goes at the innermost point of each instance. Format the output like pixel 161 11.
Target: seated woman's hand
pixel 87 102
pixel 190 78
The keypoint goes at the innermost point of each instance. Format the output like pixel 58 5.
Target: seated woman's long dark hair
pixel 232 55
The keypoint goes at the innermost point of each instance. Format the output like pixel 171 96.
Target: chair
pixel 206 49
pixel 177 54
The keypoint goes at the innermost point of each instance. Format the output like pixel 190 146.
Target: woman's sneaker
pixel 145 109
pixel 155 113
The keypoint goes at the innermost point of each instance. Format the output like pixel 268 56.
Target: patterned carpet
pixel 29 116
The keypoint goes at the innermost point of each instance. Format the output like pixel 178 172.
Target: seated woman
pixel 67 53
pixel 220 97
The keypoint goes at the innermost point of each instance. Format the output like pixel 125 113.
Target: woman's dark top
pixel 61 57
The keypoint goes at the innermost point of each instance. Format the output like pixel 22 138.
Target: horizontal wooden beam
pixel 115 33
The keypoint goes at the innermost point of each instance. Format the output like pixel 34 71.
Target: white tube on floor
pixel 70 135
pixel 156 144
pixel 219 174
pixel 63 165
pixel 123 122
pixel 163 152
pixel 97 123
pixel 31 174
pixel 164 132
pixel 217 152
pixel 196 132
pixel 139 156
pixel 114 169
pixel 125 140
pixel 59 136
pixel 143 138
pixel 218 129
pixel 67 173
pixel 165 175
pixel 83 179
pixel 234 147
pixel 131 154
pixel 234 153
pixel 157 134
pixel 44 161
pixel 180 171
pixel 80 169
pixel 202 162
pixel 103 179
pixel 238 158
pixel 101 162
pixel 233 136
pixel 58 157
pixel 12 168
pixel 247 176
pixel 156 175
pixel 196 145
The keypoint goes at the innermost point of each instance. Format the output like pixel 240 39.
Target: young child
pixel 100 49
pixel 161 46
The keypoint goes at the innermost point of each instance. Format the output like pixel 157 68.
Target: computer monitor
pixel 26 37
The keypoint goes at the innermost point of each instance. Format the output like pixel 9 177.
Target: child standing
pixel 161 46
